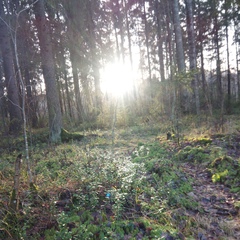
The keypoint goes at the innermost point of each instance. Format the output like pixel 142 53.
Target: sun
pixel 117 79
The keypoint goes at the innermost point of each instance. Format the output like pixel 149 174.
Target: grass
pixel 90 189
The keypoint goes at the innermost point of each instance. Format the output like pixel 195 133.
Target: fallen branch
pixel 14 200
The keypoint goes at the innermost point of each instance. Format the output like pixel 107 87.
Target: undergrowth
pixel 90 189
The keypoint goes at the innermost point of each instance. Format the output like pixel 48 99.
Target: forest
pixel 119 119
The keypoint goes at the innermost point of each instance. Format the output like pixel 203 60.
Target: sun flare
pixel 117 79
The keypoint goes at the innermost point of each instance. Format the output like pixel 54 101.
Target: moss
pixel 192 154
pixel 226 170
pixel 222 163
pixel 219 177
pixel 203 141
pixel 67 136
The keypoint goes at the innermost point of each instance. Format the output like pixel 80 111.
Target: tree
pixel 203 23
pixel 25 44
pixel 192 50
pixel 178 37
pixel 217 40
pixel 157 8
pixel 146 29
pixel 14 106
pixel 94 53
pixel 226 7
pixel 48 67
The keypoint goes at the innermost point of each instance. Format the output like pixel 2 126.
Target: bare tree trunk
pixel 237 81
pixel 76 85
pixel 159 37
pixel 128 32
pixel 94 56
pixel 179 53
pixel 169 57
pixel 117 43
pixel 147 42
pixel 229 110
pixel 192 51
pixel 22 42
pixel 2 101
pixel 67 88
pixel 23 88
pixel 178 37
pixel 48 66
pixel 14 106
pixel 204 82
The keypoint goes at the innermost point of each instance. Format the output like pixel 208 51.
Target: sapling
pixel 114 120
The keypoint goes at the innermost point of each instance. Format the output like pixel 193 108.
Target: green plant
pixel 219 177
pixel 227 170
pixel 192 154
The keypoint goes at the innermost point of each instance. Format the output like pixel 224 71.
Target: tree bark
pixel 48 66
pixel 95 58
pixel 229 110
pixel 24 56
pixel 178 37
pixel 217 47
pixel 147 42
pixel 192 51
pixel 14 106
pixel 78 100
pixel 159 39
pixel 128 32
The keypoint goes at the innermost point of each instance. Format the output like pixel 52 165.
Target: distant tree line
pixel 188 57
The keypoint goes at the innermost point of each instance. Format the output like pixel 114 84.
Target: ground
pixel 139 185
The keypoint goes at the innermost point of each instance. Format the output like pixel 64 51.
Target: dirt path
pixel 218 217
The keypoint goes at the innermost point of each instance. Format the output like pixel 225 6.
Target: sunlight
pixel 117 79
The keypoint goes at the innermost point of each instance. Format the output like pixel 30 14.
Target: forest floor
pixel 219 218
pixel 139 186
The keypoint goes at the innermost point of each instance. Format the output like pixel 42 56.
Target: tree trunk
pixel 192 51
pixel 178 37
pixel 217 47
pixel 73 59
pixel 48 66
pixel 14 106
pixel 128 32
pixel 24 56
pixel 66 85
pixel 237 81
pixel 147 42
pixel 159 39
pixel 95 59
pixel 229 110
pixel 2 101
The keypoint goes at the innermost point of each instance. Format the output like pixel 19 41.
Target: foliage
pixel 227 170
